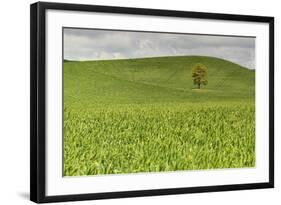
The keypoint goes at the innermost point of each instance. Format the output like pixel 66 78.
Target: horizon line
pixel 116 59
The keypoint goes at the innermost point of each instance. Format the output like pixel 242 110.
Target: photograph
pixel 149 101
pixel 135 102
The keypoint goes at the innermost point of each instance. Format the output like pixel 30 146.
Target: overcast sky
pixel 85 44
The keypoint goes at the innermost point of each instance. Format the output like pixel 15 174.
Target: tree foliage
pixel 199 75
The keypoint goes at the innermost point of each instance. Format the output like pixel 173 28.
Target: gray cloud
pixel 86 44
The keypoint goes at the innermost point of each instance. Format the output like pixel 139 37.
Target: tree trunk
pixel 198 85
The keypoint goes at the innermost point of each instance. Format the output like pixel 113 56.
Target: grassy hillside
pixel 145 115
pixel 161 79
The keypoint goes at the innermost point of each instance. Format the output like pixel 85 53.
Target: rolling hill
pixel 159 79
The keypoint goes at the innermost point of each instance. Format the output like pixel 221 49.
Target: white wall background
pixel 14 100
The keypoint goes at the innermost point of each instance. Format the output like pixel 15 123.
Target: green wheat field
pixel 145 115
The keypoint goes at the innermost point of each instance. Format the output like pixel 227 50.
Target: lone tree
pixel 199 75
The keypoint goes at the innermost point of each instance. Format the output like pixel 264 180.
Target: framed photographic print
pixel 129 102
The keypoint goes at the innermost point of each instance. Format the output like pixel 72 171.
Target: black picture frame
pixel 38 101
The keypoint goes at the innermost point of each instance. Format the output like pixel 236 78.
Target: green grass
pixel 145 115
